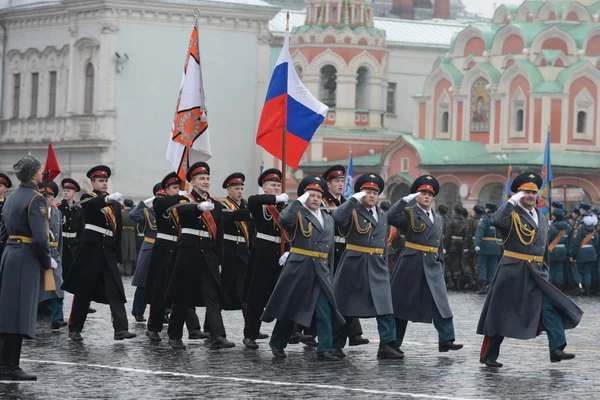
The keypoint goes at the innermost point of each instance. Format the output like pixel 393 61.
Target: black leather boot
pixel 11 366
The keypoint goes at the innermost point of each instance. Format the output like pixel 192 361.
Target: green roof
pixel 433 151
pixel 364 161
pixel 565 73
pixel 551 55
pixel 457 76
pixel 534 73
pixel 491 70
pixel 548 87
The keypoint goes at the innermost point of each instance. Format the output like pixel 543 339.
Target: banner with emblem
pixel 189 141
pixel 349 184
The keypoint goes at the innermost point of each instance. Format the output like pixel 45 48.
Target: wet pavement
pixel 101 367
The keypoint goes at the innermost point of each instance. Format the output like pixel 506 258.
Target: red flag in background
pixel 51 170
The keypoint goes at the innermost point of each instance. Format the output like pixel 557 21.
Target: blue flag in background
pixel 544 198
pixel 349 184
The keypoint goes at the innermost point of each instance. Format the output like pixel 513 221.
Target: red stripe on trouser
pixel 484 347
pixel 71 314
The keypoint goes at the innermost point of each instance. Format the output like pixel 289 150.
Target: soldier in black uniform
pixel 196 279
pixel 266 258
pixel 5 184
pixel 94 274
pixel 237 240
pixel 334 197
pixel 162 260
pixel 72 222
pixel 469 257
pixel 454 240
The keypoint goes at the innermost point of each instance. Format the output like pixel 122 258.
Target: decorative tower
pixel 342 59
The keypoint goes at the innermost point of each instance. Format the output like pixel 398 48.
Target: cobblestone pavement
pixel 101 367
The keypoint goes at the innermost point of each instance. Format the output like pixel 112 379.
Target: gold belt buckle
pixel 431 249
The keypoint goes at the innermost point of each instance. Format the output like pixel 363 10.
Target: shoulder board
pixel 56 204
pixel 93 194
pixel 216 200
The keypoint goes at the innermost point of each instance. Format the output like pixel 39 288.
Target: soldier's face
pixel 529 200
pixel 336 186
pixel 39 176
pixel 314 200
pixel 68 194
pixel 271 187
pixel 3 189
pixel 236 192
pixel 201 182
pixel 100 184
pixel 49 198
pixel 424 199
pixel 371 198
pixel 172 190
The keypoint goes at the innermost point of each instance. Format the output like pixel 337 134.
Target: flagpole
pixel 283 152
pixel 547 174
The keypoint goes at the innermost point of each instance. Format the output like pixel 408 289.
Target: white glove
pixel 283 258
pixel 410 197
pixel 477 248
pixel 465 250
pixel 148 202
pixel 183 193
pixel 359 195
pixel 516 197
pixel 282 198
pixel 115 196
pixel 53 263
pixel 443 251
pixel 302 199
pixel 206 206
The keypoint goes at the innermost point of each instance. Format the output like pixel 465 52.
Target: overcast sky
pixel 486 7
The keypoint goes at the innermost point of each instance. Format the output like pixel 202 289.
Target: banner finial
pixel 287 22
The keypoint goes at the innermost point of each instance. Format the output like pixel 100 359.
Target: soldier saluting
pixel 94 275
pixel 418 286
pixel 521 302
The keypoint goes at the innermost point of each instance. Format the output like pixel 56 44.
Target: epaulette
pixel 56 204
pixel 216 200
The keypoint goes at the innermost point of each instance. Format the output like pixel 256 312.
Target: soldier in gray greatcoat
pixel 303 290
pixel 418 286
pixel 521 302
pixel 143 215
pixel 27 254
pixel 362 282
pixel 54 297
pixel 5 184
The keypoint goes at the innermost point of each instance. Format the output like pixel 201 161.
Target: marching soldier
pixel 196 278
pixel 237 241
pixel 361 284
pixel 303 290
pixel 418 287
pixel 583 248
pixel 264 267
pixel 334 197
pixel 162 261
pixel 487 247
pixel 94 275
pixel 54 297
pixel 5 184
pixel 521 302
pixel 469 258
pixel 559 248
pixel 143 215
pixel 129 240
pixel 26 256
pixel 72 222
pixel 454 238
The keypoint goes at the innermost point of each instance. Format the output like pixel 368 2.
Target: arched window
pixel 581 121
pixel 399 191
pixel 362 89
pixel 299 71
pixel 328 85
pixel 448 195
pixel 490 193
pixel 445 120
pixel 519 120
pixel 334 14
pixel 88 102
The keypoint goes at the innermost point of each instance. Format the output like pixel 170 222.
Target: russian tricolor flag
pixel 288 105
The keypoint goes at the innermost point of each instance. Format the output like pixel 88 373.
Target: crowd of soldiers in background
pixel 473 248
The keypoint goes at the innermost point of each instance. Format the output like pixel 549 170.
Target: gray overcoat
pixel 418 280
pixel 514 301
pixel 362 281
pixel 145 217
pixel 303 278
pixel 55 252
pixel 25 214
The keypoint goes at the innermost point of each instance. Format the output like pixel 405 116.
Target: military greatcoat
pixel 145 217
pixel 56 247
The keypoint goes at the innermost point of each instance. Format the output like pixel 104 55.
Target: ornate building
pixel 489 103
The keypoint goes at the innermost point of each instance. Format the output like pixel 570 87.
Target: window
pixel 88 104
pixel 445 120
pixel 404 164
pixel 299 71
pixel 328 85
pixel 362 89
pixel 581 121
pixel 390 107
pixel 334 14
pixel 16 94
pixel 519 120
pixel 35 84
pixel 52 95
